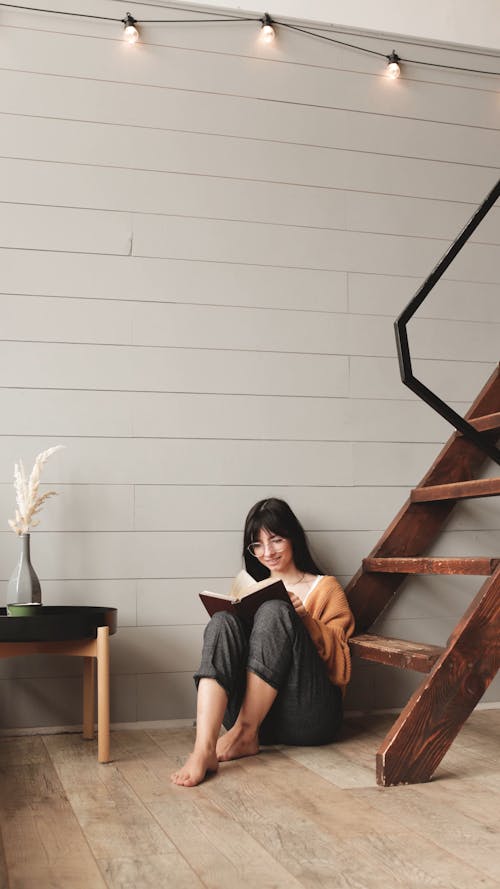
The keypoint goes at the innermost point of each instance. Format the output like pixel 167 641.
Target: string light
pixel 130 32
pixel 267 32
pixel 393 70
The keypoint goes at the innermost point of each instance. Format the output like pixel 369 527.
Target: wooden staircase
pixel 457 674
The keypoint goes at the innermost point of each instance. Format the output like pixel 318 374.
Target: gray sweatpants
pixel 278 648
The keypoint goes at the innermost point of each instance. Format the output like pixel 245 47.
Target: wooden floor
pixel 291 817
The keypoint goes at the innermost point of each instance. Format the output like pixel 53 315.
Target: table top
pixel 54 623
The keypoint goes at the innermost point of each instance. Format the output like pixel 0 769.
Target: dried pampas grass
pixel 28 500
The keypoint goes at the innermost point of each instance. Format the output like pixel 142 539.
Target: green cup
pixel 23 610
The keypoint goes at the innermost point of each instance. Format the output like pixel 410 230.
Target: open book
pixel 245 596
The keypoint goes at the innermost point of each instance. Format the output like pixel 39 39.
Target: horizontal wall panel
pixel 163 280
pixel 120 594
pixel 385 420
pixel 212 508
pixel 392 464
pixel 482 543
pixel 65 320
pixel 185 461
pixel 169 554
pixel 475 514
pixel 250 243
pixel 248 416
pixel 391 687
pixel 157 649
pixel 105 188
pixel 451 380
pixel 443 598
pixel 166 696
pixel 245 243
pixel 179 370
pixel 149 415
pixel 458 300
pixel 55 412
pixel 211 72
pixel 291 418
pixel 454 340
pixel 205 508
pixel 341 552
pixel 175 602
pixel 246 159
pixel 54 228
pixel 45 665
pixel 239 116
pixel 84 507
pixel 476 262
pixel 391 214
pixel 430 631
pixel 237 328
pixel 128 556
pixel 210 327
pixel 32 702
pixel 215 327
pixel 29 703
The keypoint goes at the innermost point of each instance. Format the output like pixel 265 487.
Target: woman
pixel 282 680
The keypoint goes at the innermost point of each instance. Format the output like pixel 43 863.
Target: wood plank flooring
pixel 286 819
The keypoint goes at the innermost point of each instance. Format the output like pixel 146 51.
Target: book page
pixel 240 585
pixel 257 585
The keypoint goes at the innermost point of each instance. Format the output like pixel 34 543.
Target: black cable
pixel 83 15
pixel 176 21
pixel 452 67
pixel 384 55
pixel 107 18
pixel 330 39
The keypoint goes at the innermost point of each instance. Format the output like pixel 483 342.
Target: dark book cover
pixel 249 603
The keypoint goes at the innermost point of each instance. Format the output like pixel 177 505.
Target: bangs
pixel 270 520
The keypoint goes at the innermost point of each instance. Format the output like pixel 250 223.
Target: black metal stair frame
pixel 400 327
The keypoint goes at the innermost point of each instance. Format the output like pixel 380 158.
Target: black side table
pixel 82 631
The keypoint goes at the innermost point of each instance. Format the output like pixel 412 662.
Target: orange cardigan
pixel 330 623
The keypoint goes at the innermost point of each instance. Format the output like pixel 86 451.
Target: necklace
pixel 296 582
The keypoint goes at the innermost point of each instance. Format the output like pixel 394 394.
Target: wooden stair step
pixel 482 487
pixel 396 652
pixel 473 565
pixel 488 423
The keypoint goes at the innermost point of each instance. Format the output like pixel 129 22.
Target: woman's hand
pixel 297 604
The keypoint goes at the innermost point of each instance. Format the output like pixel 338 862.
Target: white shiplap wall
pixel 203 246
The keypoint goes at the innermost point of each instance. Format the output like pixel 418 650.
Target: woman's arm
pixel 330 624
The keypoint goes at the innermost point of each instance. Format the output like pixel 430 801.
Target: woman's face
pixel 276 553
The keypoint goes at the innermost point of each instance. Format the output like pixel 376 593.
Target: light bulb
pixel 267 32
pixel 130 33
pixel 393 70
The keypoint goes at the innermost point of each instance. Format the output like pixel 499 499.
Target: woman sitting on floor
pixel 281 681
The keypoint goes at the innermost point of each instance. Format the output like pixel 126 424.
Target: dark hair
pixel 276 517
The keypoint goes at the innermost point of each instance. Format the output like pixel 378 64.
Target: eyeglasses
pixel 258 549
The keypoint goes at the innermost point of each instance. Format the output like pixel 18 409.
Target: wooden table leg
pixel 88 697
pixel 103 694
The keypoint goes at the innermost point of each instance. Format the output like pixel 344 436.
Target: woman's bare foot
pixel 195 768
pixel 237 742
